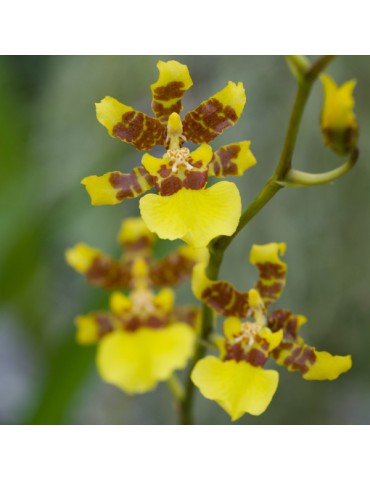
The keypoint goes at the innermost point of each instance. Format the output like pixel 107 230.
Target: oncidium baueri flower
pixel 183 208
pixel 237 380
pixel 144 337
pixel 338 122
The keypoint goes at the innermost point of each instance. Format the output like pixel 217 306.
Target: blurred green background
pixel 50 139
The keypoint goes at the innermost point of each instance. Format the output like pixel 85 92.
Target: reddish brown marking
pixel 284 319
pixel 162 113
pixel 195 180
pixel 269 270
pixel 172 270
pixel 104 322
pixel 254 356
pixel 225 299
pixel 170 91
pixel 301 358
pixel 186 315
pixel 108 273
pixel 169 186
pixel 223 158
pixel 128 184
pixel 138 245
pixel 207 121
pixel 164 171
pixel 140 130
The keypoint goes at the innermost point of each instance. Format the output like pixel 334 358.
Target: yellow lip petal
pixel 237 387
pixel 195 216
pixel 136 361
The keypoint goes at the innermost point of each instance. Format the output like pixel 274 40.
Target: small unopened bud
pixel 338 122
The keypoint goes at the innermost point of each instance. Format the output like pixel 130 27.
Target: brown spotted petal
pixel 213 116
pixel 174 79
pixel 99 269
pixel 175 268
pixel 129 125
pixel 219 295
pixel 114 187
pixel 233 159
pixel 296 355
pixel 272 270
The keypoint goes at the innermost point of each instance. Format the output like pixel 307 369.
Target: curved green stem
pixel 296 178
pixel 307 75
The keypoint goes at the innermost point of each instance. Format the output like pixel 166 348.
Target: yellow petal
pixel 195 216
pixel 134 229
pixel 87 330
pixel 237 387
pixel 114 187
pixel 165 299
pixel 232 327
pixel 328 367
pixel 81 257
pixel 233 159
pixel 136 361
pixel 174 79
pixel 119 303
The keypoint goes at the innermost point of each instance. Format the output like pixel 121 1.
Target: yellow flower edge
pixel 136 361
pixel 328 366
pixel 238 387
pixel 195 216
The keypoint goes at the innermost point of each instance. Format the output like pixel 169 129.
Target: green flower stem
pixel 296 178
pixel 176 387
pixel 307 75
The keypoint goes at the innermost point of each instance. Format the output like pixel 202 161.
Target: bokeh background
pixel 50 139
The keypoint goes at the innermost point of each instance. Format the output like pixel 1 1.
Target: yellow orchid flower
pixel 144 337
pixel 183 208
pixel 237 380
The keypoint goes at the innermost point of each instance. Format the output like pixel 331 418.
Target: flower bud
pixel 338 122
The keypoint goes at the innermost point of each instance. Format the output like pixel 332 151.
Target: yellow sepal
pixel 109 112
pixel 100 190
pixel 87 330
pixel 81 257
pixel 328 367
pixel 233 95
pixel 132 229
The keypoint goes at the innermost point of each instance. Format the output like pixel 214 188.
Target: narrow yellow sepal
pixel 101 190
pixel 238 387
pixel 172 71
pixel 81 257
pixel 200 281
pixel 328 367
pixel 195 216
pixel 119 303
pixel 136 361
pixel 109 112
pixel 233 95
pixel 87 330
pixel 268 253
pixel 133 229
pixel 165 299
